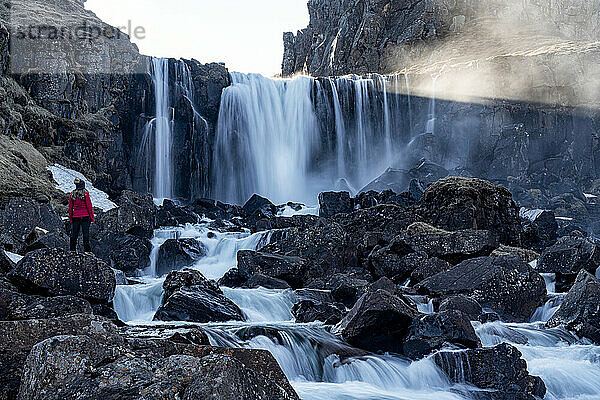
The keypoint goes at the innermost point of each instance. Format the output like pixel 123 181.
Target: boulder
pixel 189 296
pixel 123 251
pixel 469 307
pixel 310 311
pixel 332 203
pixel 24 307
pixel 433 331
pixel 135 215
pixel 61 367
pixel 428 268
pixel 346 289
pixel 524 254
pixel 506 284
pixel 569 255
pixel 50 240
pixel 18 337
pixel 170 214
pixel 466 203
pixel 579 310
pixel 453 247
pixel 234 278
pixel 498 368
pixel 540 230
pixel 55 272
pixel 377 322
pixel 385 262
pixel 287 268
pixel 175 254
pixel 258 208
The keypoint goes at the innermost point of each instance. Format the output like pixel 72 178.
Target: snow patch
pixel 304 210
pixel 64 177
pixel 13 256
pixel 530 214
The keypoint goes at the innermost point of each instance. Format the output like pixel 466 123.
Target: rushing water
pixel 289 139
pixel 307 353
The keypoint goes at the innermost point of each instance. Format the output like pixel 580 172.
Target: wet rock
pixel 332 203
pixel 310 311
pixel 498 368
pixel 55 272
pixel 135 214
pixel 505 284
pixel 189 296
pixel 257 208
pixel 296 221
pixel 377 322
pixel 175 254
pixel 466 203
pixel 433 331
pixel 234 278
pixel 314 295
pixel 286 268
pixel 469 307
pixel 125 252
pixel 24 307
pixel 453 247
pixel 579 310
pixel 215 209
pixel 50 240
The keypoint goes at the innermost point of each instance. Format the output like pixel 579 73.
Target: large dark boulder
pixel 395 265
pixel 18 337
pixel 569 255
pixel 377 322
pixel 287 268
pixel 453 247
pixel 332 203
pixel 94 367
pixel 499 368
pixel 506 284
pixel 55 272
pixel 428 268
pixel 170 214
pixel 469 307
pixel 135 214
pixel 258 208
pixel 175 254
pixel 540 230
pixel 189 296
pixel 433 331
pixel 580 310
pixel 466 203
pixel 346 289
pixel 123 251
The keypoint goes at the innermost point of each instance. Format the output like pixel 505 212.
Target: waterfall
pixel 340 131
pixel 162 126
pixel 265 136
pixel 430 128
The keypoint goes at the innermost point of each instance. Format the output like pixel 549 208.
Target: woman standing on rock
pixel 81 215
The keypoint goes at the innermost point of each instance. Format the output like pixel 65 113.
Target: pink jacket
pixel 79 208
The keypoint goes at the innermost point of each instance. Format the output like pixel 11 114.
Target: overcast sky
pixel 245 34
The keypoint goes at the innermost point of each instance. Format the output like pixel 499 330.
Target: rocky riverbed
pixel 446 292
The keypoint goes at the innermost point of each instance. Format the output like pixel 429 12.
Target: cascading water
pixel 289 139
pixel 162 127
pixel 307 352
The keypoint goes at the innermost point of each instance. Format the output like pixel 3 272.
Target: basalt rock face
pixel 90 114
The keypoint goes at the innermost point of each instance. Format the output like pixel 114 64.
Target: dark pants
pixel 82 223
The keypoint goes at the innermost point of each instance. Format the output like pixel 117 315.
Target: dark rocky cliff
pixel 80 102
